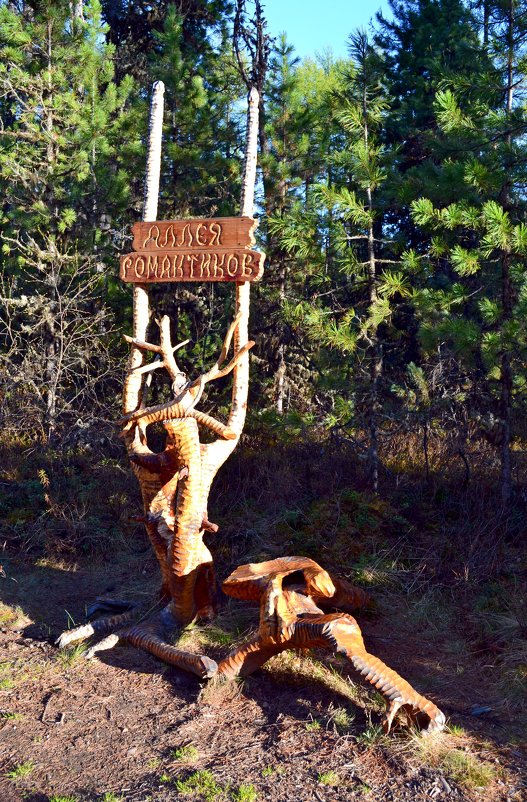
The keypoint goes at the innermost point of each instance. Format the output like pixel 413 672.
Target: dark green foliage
pixel 392 205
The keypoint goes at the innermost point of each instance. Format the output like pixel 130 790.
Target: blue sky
pixel 312 25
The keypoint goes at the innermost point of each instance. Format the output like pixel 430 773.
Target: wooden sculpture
pixel 294 593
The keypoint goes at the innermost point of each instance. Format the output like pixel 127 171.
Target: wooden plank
pixel 220 264
pixel 220 232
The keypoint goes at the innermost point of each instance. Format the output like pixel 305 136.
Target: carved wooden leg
pixel 342 634
pixel 144 637
pixel 106 643
pixel 347 597
pixel 103 626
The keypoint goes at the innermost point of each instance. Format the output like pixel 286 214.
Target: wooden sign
pixel 220 264
pixel 193 250
pixel 221 232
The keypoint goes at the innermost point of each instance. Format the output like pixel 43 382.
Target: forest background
pixel 388 381
pixel 392 211
pixel 391 322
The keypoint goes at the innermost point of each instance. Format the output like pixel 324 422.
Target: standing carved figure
pixel 301 606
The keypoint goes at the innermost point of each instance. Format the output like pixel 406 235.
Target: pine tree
pixel 479 247
pixel 63 122
pixel 358 281
pixel 284 145
pixel 423 45
pixel 203 123
pixel 298 135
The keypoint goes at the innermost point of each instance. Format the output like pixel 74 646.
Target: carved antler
pixel 165 352
pixel 188 394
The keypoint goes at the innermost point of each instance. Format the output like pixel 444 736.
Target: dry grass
pixel 445 565
pixel 456 756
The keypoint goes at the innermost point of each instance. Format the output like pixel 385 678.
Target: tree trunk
pixel 506 389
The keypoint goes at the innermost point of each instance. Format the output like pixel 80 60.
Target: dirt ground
pixel 125 726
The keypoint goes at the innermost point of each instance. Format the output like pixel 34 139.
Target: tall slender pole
pixel 141 311
pixel 243 290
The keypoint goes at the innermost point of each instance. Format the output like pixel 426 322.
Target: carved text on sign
pixel 220 232
pixel 222 264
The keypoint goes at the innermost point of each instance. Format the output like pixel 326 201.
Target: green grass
pixel 440 751
pixel 185 754
pixel 342 719
pixel 329 778
pixel 373 734
pixel 270 770
pixel 109 796
pixel 313 726
pixel 466 769
pixel 20 771
pixel 202 783
pixel 457 731
pixel 244 793
pixel 199 637
pixel 7 715
pixel 10 616
pixel 71 655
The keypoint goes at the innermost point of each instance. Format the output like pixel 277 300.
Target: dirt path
pixel 127 726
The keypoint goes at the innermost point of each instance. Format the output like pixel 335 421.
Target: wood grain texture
pixel 289 590
pixel 219 232
pixel 218 264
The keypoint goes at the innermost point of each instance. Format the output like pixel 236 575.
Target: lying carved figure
pixel 294 594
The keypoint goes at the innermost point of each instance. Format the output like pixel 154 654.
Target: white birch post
pixel 141 311
pixel 243 291
pixel 216 453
